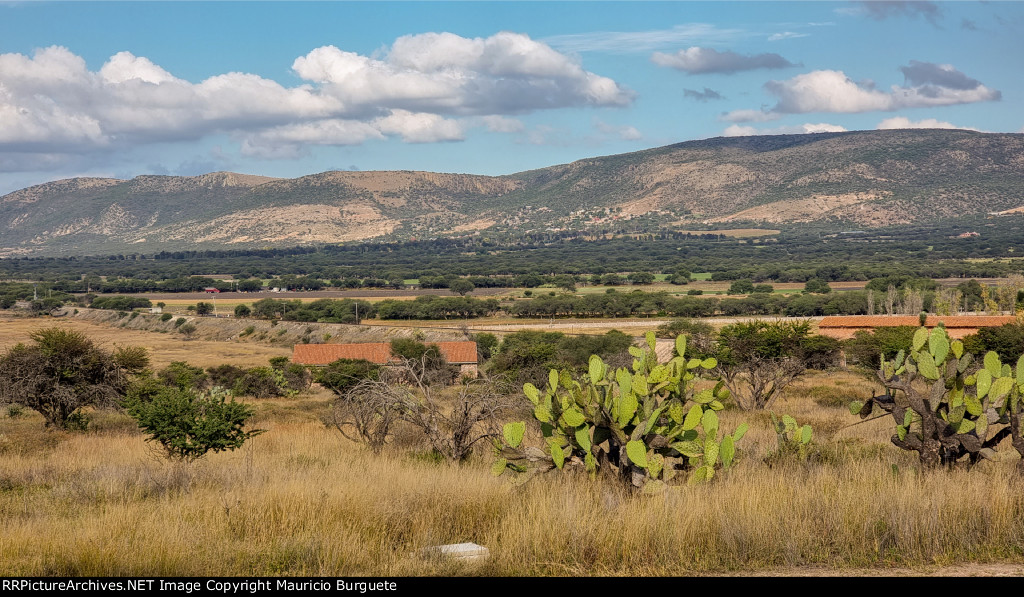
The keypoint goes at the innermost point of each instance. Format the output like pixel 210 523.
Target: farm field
pixel 302 500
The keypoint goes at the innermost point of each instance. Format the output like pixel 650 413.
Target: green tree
pixel 758 359
pixel 461 286
pixel 62 372
pixel 242 311
pixel 643 278
pixel 188 425
pixel 204 308
pixel 817 286
pixel 741 287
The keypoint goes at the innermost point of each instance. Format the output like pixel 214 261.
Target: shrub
pixel 180 374
pixel 242 311
pixel 62 372
pixel 758 359
pixel 189 425
pixel 166 317
pixel 263 382
pixel 701 335
pixel 225 376
pixel 343 374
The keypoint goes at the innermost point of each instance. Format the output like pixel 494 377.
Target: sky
pixel 121 89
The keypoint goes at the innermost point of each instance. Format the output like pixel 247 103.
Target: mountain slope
pixel 868 178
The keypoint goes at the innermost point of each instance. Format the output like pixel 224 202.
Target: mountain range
pixel 860 179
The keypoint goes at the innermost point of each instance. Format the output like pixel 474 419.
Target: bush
pixel 62 372
pixel 189 425
pixel 263 382
pixel 180 374
pixel 343 374
pixel 225 376
pixel 701 335
pixel 242 311
pixel 166 317
pixel 865 347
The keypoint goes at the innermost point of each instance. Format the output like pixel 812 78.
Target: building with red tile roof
pixel 463 354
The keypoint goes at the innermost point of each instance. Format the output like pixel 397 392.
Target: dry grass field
pixel 301 500
pixel 163 348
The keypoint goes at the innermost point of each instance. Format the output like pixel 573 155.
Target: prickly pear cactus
pixel 648 425
pixel 943 409
pixel 792 437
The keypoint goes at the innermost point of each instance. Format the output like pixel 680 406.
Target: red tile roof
pixel 457 353
pixel 884 321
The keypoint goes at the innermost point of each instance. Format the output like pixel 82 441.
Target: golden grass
pixel 163 348
pixel 301 500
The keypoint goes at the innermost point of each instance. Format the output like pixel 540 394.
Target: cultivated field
pixel 301 500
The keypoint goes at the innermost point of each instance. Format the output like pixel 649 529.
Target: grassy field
pixel 163 348
pixel 301 500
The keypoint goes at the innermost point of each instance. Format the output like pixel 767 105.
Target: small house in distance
pixel 462 354
pixel 843 327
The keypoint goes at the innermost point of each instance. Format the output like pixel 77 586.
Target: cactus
pixel 642 426
pixel 942 411
pixel 792 438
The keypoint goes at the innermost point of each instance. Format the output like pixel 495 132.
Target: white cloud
pixel 419 127
pixel 902 122
pixel 786 35
pixel 52 104
pixel 833 91
pixel 697 60
pixel 736 130
pixel 644 41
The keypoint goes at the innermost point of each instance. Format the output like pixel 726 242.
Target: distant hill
pixel 866 178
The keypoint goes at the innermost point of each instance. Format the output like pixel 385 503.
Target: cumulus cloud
pixel 420 89
pixel 736 130
pixel 832 91
pixel 702 96
pixel 902 122
pixel 697 60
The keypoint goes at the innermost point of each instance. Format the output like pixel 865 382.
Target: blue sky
pixel 292 88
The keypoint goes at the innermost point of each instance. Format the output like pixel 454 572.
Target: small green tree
pixel 817 286
pixel 758 359
pixel 242 311
pixel 461 286
pixel 188 425
pixel 64 371
pixel 741 287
